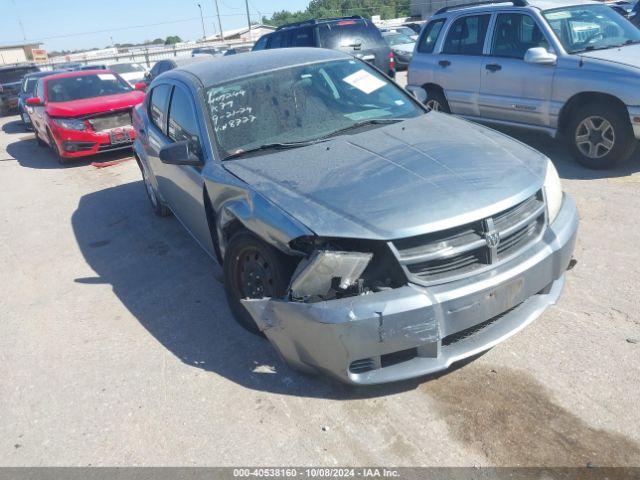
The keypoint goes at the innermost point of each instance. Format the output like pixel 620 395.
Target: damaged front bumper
pixel 412 331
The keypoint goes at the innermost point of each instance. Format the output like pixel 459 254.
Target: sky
pixel 80 24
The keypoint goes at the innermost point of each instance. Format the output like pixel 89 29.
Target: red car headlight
pixel 70 123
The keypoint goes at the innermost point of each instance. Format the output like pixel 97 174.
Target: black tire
pixel 41 143
pixel 607 136
pixel 54 149
pixel 437 101
pixel 159 208
pixel 253 269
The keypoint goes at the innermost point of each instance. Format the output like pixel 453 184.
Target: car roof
pixel 538 4
pixel 78 73
pixel 43 73
pixel 17 67
pixel 184 61
pixel 219 70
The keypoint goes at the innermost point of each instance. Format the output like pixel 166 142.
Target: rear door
pixel 359 38
pixel 459 62
pixel 37 114
pixel 511 89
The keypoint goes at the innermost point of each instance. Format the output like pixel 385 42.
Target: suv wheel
pixel 600 136
pixel 252 269
pixel 436 101
pixel 156 204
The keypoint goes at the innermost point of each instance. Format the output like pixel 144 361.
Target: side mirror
pixel 179 153
pixel 141 86
pixel 540 56
pixel 418 93
pixel 35 102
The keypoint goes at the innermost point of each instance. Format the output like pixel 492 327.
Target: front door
pixel 511 89
pixel 457 68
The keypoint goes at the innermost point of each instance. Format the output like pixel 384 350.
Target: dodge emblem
pixel 492 239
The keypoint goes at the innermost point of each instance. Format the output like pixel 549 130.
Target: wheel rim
pixel 254 275
pixel 595 137
pixel 433 105
pixel 150 191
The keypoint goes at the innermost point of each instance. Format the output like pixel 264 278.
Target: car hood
pixel 89 106
pixel 425 174
pixel 628 55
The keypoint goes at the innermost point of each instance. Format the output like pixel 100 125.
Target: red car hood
pixel 88 106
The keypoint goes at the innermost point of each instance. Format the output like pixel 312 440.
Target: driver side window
pixel 514 34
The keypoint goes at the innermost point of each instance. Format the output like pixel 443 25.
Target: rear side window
pixel 279 40
pixel 182 120
pixel 349 34
pixel 430 36
pixel 301 37
pixel 466 35
pixel 261 44
pixel 158 106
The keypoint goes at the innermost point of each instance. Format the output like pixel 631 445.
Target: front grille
pixel 110 121
pixel 447 254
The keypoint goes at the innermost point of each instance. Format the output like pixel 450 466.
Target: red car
pixel 83 113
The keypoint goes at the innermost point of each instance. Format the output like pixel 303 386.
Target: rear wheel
pixel 436 101
pixel 156 204
pixel 252 269
pixel 600 136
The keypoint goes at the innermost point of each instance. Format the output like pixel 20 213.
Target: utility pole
pixel 204 33
pixel 246 4
pixel 219 22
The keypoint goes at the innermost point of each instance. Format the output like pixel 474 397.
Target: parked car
pixel 93 67
pixel 364 236
pixel 236 50
pixel 26 91
pixel 212 51
pixel 131 72
pixel 402 47
pixel 415 26
pixel 69 66
pixel 568 69
pixel 406 31
pixel 83 113
pixel 633 15
pixel 10 83
pixel 354 35
pixel 169 64
pixel 623 8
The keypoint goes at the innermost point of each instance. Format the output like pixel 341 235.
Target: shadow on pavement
pixel 175 291
pixel 567 167
pixel 29 154
pixel 14 127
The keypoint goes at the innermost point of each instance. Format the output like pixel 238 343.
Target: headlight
pixel 70 123
pixel 552 191
pixel 327 270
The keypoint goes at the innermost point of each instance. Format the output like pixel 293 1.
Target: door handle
pixel 444 63
pixel 493 67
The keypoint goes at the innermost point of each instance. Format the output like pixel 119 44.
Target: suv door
pixel 181 186
pixel 459 62
pixel 511 89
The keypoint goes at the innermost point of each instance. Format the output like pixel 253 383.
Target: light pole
pixel 219 22
pixel 246 4
pixel 204 33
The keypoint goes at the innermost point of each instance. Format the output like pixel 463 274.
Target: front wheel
pixel 54 148
pixel 252 270
pixel 158 207
pixel 600 136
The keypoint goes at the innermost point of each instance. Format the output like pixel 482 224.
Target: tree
pixel 342 8
pixel 172 40
pixel 158 41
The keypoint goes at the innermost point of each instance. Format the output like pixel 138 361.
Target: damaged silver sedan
pixel 365 237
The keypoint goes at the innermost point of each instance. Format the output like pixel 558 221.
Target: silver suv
pixel 570 69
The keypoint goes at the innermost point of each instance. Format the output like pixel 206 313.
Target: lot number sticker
pixel 364 81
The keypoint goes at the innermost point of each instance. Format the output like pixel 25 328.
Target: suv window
pixel 279 39
pixel 158 106
pixel 346 33
pixel 182 120
pixel 516 33
pixel 261 44
pixel 301 37
pixel 466 35
pixel 430 36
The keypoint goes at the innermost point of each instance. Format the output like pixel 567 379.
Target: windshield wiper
pixel 269 146
pixel 364 123
pixel 591 48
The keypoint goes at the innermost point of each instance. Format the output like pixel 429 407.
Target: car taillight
pixel 392 61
